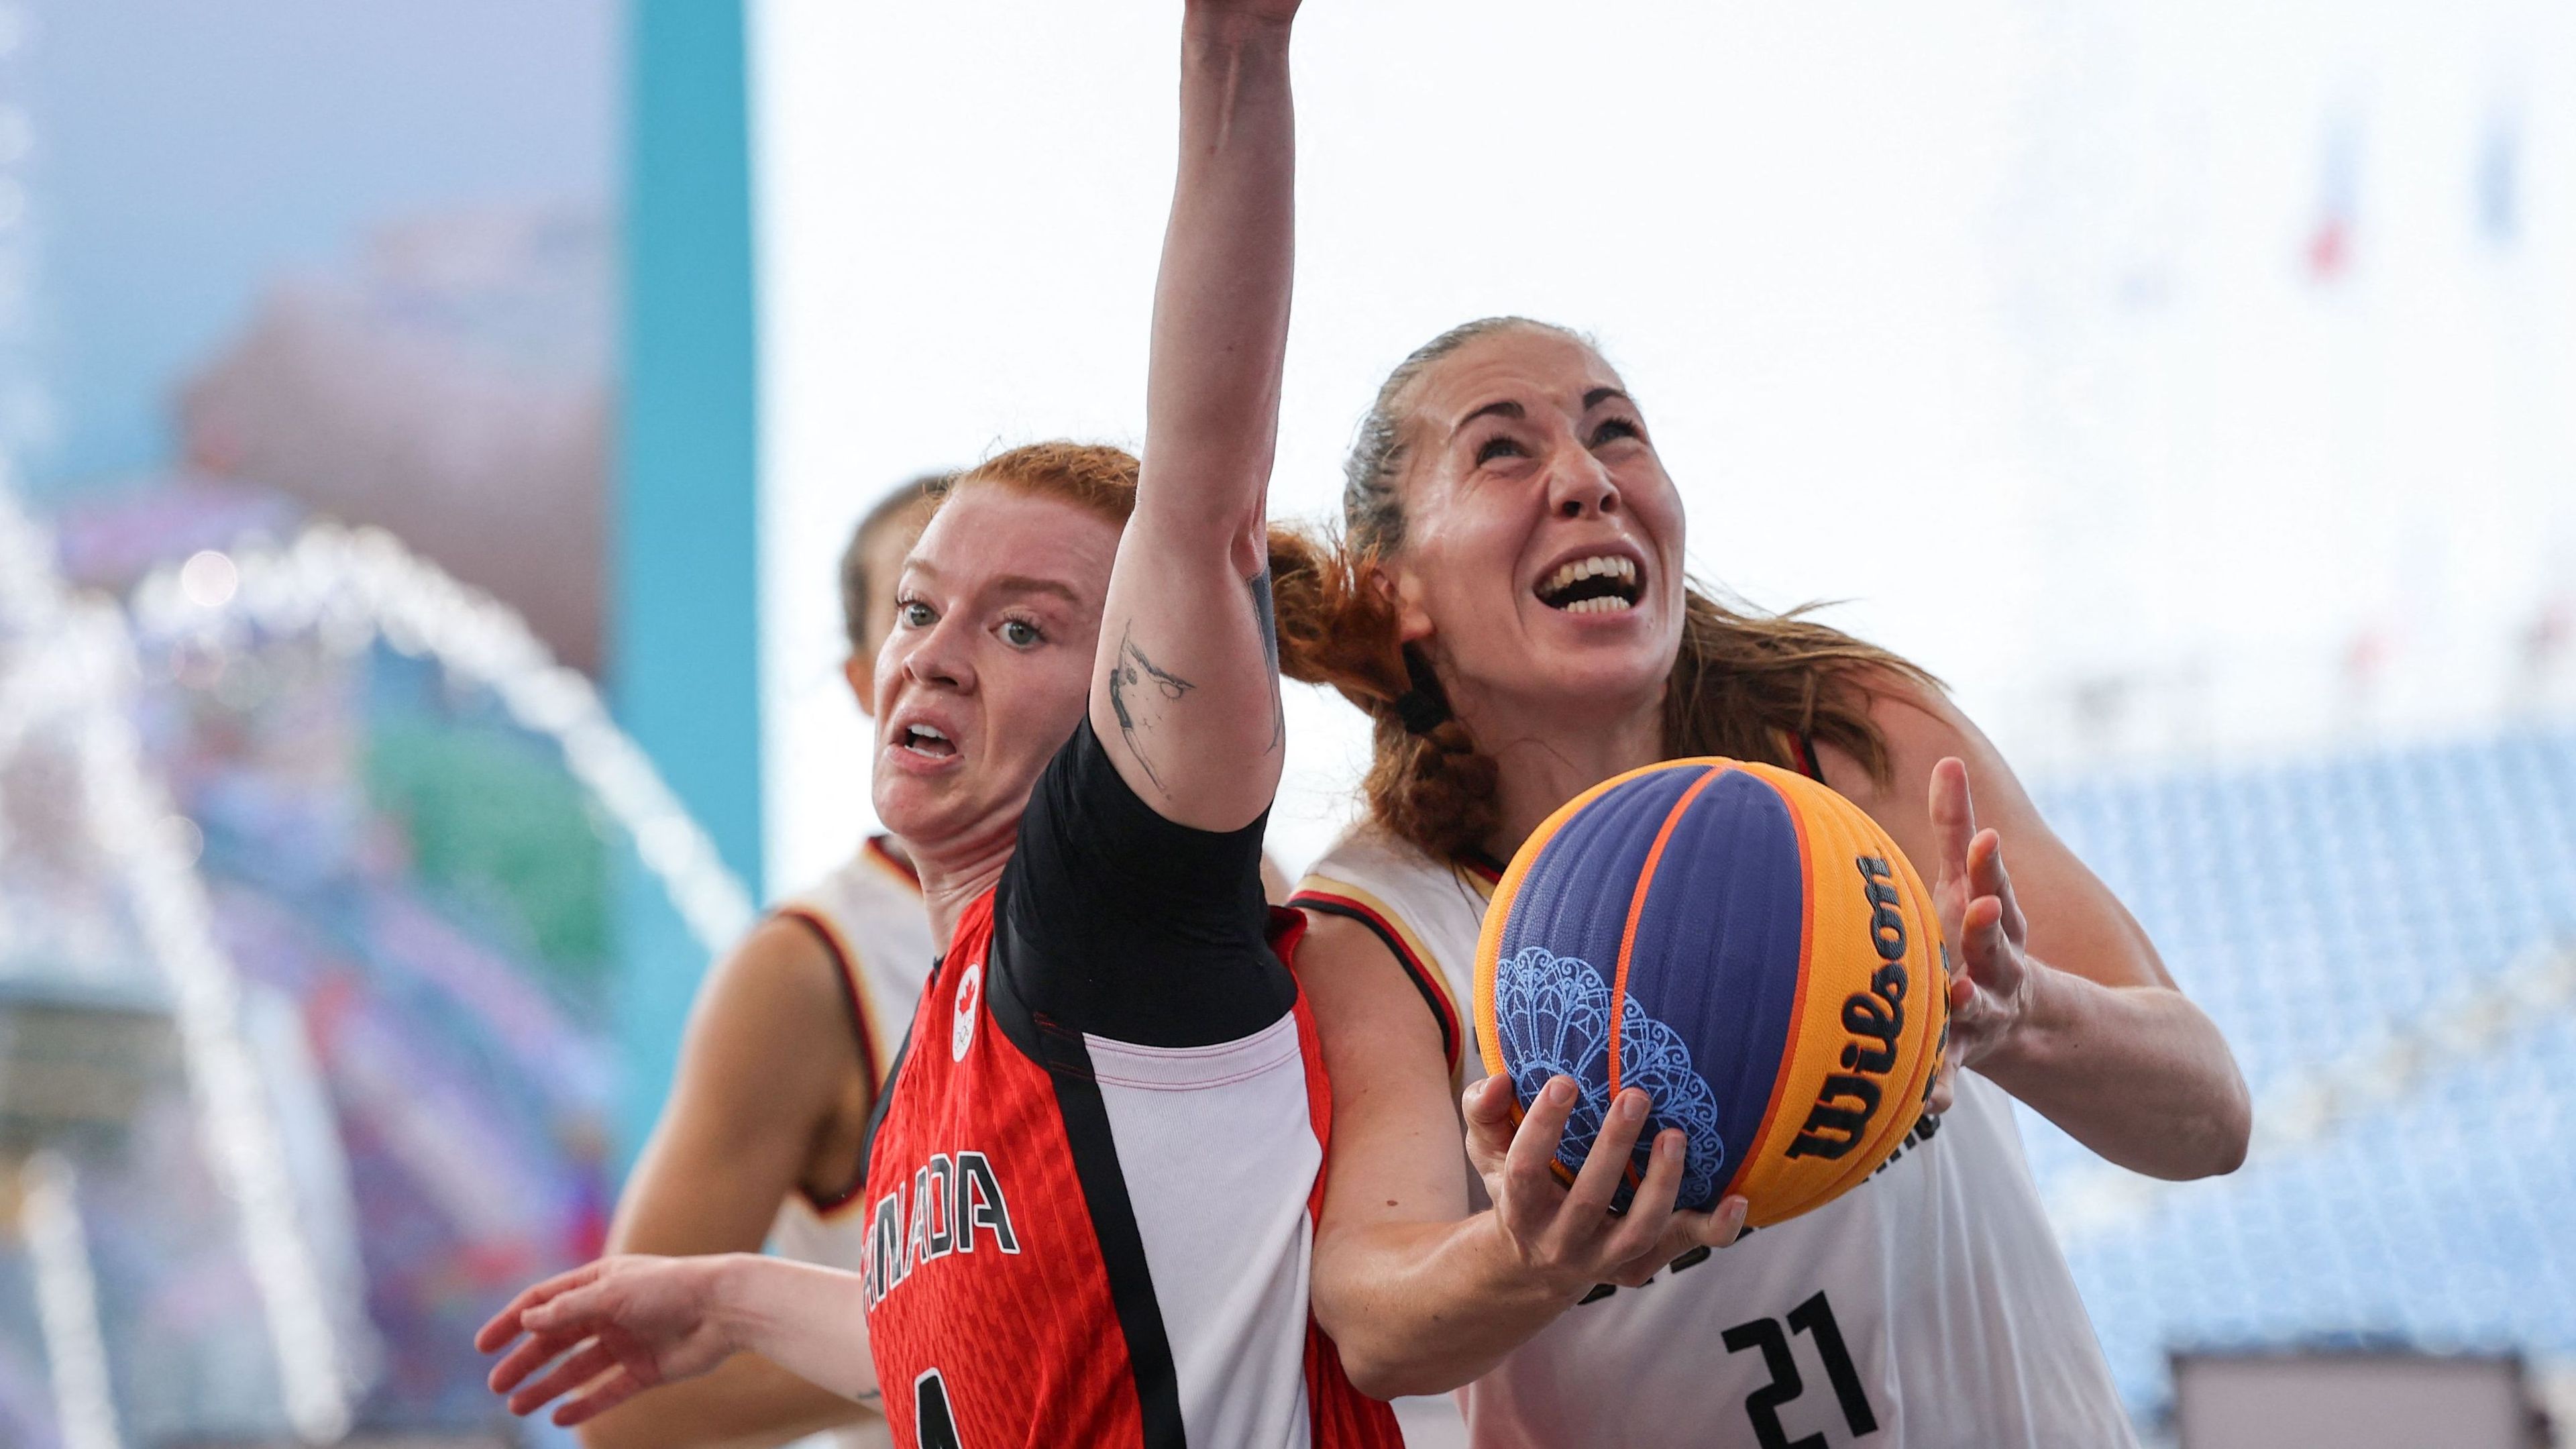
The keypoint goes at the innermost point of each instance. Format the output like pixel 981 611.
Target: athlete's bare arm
pixel 2069 1007
pixel 1419 1295
pixel 1186 697
pixel 626 1324
pixel 771 1097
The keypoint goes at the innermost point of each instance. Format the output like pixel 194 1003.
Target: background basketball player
pixel 789 1040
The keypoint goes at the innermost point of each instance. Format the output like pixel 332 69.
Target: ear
pixel 1404 588
pixel 862 675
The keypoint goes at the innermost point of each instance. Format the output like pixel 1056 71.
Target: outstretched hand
pixel 628 1323
pixel 1990 969
pixel 1569 1236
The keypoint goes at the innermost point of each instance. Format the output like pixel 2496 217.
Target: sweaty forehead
pixel 1525 364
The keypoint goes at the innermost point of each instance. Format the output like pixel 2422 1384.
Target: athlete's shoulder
pixel 1368 854
pixel 871 906
pixel 876 880
pixel 1425 912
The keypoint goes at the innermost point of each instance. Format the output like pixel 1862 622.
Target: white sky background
pixel 1993 318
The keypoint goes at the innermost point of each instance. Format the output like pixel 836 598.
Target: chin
pixel 1603 667
pixel 1607 684
pixel 908 810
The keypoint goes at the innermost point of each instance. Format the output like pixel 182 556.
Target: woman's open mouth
pixel 927 742
pixel 1601 584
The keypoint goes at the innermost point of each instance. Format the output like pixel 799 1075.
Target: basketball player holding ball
pixel 1510 607
pixel 786 1048
pixel 1091 1177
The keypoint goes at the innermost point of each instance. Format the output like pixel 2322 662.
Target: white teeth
pixel 1607 604
pixel 923 729
pixel 1597 566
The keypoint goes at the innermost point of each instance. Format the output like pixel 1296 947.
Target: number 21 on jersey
pixel 1814 1319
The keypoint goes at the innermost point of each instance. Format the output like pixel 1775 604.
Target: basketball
pixel 1744 945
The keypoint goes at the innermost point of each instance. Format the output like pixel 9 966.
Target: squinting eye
pixel 1020 633
pixel 1614 428
pixel 1499 448
pixel 914 614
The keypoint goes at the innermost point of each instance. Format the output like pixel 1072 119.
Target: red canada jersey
pixel 1092 1181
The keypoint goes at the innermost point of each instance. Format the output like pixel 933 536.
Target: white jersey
pixel 1929 1308
pixel 870 919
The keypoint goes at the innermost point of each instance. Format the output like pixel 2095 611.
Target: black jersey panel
pixel 1113 920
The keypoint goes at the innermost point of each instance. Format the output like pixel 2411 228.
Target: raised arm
pixel 1186 695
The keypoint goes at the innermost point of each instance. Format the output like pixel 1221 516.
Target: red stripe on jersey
pixel 1339 1414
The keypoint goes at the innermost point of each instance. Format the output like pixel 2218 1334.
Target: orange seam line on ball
pixel 1637 908
pixel 1798 1003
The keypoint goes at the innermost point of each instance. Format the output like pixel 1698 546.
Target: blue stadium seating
pixel 2313 907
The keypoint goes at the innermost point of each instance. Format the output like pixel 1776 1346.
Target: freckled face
pixel 988 667
pixel 1542 557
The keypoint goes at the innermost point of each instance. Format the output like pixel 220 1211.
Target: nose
pixel 1579 487
pixel 942 655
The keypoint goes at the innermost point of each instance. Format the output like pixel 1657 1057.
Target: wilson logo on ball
pixel 1742 944
pixel 1875 1016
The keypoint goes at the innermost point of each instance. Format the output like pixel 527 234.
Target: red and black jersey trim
pixel 1415 971
pixel 848 972
pixel 1807 756
pixel 1062 1051
pixel 879 850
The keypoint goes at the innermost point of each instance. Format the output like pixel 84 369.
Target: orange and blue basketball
pixel 1743 944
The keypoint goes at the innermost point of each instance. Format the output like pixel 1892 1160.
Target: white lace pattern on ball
pixel 1552 1014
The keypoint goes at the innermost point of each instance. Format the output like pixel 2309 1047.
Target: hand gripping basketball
pixel 1990 984
pixel 628 1323
pixel 1569 1237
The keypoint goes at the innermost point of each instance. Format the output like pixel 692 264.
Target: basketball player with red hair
pixel 1092 1172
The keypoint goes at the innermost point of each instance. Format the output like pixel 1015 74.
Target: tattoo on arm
pixel 1135 682
pixel 1266 619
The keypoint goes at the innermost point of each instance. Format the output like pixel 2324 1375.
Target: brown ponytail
pixel 1337 627
pixel 1745 684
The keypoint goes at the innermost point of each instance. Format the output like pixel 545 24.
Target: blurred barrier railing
pixel 90 656
pixel 353 586
pixel 67 1303
pixel 2309 1106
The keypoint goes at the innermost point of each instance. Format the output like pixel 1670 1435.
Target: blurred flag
pixel 2330 241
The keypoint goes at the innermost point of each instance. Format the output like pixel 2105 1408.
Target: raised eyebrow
pixel 1504 408
pixel 1600 395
